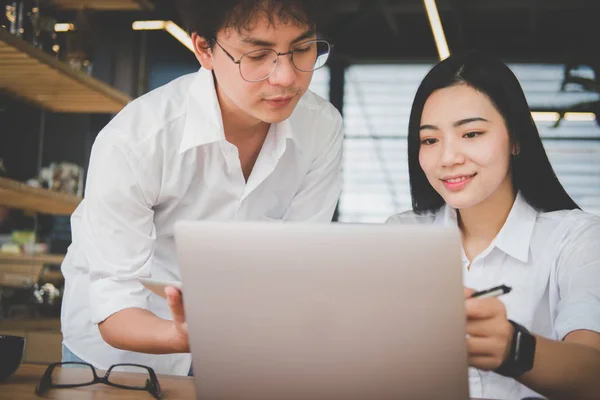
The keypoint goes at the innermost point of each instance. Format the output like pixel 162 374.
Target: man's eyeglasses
pixel 139 377
pixel 258 65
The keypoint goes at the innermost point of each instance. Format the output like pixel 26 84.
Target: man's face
pixel 273 99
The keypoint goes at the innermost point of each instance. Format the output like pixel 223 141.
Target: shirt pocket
pixel 275 207
pixel 522 302
pixel 278 202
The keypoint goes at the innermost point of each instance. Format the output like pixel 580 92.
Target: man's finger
pixel 175 301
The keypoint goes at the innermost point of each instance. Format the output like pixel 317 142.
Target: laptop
pixel 323 311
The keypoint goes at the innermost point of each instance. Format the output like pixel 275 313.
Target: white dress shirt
pixel 552 262
pixel 165 158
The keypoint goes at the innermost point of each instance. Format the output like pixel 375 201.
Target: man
pixel 242 139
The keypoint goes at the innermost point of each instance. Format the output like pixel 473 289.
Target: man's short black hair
pixel 207 17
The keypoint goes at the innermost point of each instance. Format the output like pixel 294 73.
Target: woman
pixel 476 161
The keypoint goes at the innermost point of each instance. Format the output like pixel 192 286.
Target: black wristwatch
pixel 521 354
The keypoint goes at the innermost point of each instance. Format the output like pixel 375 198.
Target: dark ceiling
pixel 530 30
pixel 367 31
pixel 527 30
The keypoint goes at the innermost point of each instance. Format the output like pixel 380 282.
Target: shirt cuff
pixel 109 296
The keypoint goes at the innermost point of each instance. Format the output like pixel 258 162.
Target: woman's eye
pixel 428 141
pixel 471 135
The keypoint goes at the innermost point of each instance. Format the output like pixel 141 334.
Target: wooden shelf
pixel 25 271
pixel 20 275
pixel 25 197
pixel 31 74
pixel 56 259
pixel 43 336
pixel 105 5
pixel 45 324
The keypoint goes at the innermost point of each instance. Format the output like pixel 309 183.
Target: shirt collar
pixel 285 130
pixel 515 235
pixel 204 121
pixel 446 216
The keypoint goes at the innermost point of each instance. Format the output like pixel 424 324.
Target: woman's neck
pixel 480 224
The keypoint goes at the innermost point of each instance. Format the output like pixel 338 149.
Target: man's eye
pixel 257 57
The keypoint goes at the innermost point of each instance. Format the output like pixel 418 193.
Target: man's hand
pixel 180 327
pixel 489 332
pixel 141 331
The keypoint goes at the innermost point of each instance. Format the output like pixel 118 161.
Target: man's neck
pixel 238 125
pixel 244 132
pixel 239 133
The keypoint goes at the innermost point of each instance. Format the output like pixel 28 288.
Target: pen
pixel 493 292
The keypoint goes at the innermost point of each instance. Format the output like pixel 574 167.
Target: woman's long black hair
pixel 532 173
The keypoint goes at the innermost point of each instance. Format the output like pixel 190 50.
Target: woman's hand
pixel 489 332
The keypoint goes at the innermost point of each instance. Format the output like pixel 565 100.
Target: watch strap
pixel 521 355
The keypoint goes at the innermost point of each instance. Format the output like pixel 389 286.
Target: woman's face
pixel 465 147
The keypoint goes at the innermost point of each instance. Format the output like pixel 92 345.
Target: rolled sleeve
pixel 318 195
pixel 579 280
pixel 117 228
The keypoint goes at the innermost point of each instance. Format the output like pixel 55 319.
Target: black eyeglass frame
pixel 287 53
pixel 152 385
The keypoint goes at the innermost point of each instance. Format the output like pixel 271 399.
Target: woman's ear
pixel 203 51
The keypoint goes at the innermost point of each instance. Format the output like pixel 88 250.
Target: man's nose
pixel 285 72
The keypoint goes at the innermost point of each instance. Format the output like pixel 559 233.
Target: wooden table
pixel 22 385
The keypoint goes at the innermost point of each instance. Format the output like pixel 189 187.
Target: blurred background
pixel 68 66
